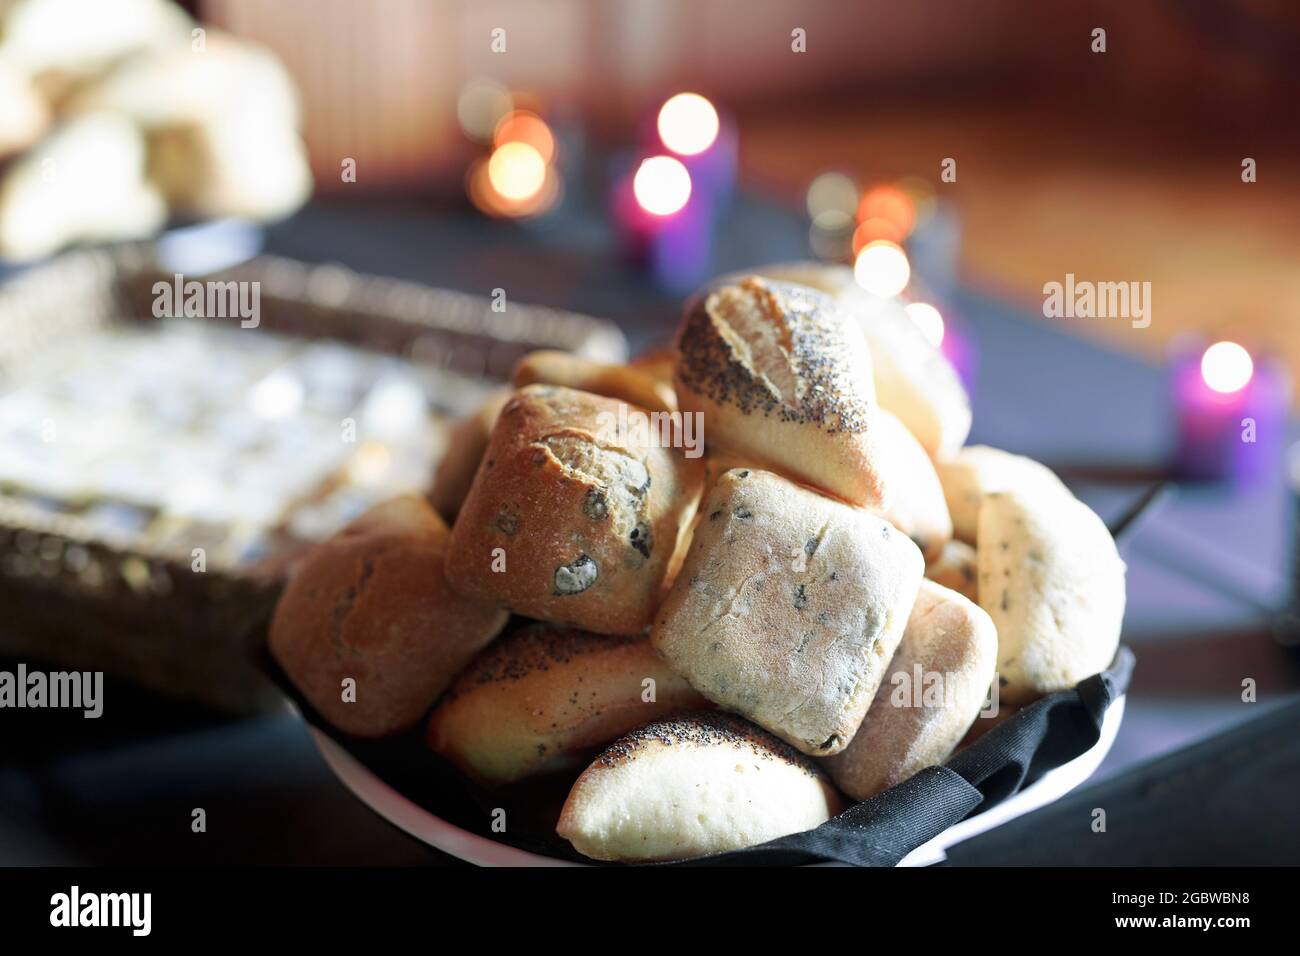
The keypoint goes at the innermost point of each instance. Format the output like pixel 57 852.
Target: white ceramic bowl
pixel 437 832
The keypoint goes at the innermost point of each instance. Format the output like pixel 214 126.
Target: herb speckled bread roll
pixel 789 607
pixel 918 508
pixel 913 379
pixel 568 521
pixel 1052 580
pixel 693 786
pixel 466 442
pixel 548 367
pixel 956 568
pixel 541 697
pixel 934 689
pixel 978 470
pixel 371 604
pixel 783 378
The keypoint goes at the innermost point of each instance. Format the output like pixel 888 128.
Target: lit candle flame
pixel 661 185
pixel 1226 367
pixel 688 124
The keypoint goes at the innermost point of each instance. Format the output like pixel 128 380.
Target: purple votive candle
pixel 1227 433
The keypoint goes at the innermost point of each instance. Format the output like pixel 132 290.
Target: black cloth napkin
pixel 883 830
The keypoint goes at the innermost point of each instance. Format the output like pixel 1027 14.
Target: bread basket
pixel 78 595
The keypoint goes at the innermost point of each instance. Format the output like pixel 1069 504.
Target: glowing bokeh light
pixel 517 171
pixel 831 234
pixel 688 124
pixel 662 185
pixel 881 268
pixel 1226 367
pixel 480 106
pixel 488 200
pixel 522 126
pixel 875 229
pixel 832 192
pixel 928 320
pixel 890 204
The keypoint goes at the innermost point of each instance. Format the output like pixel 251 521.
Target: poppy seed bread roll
pixel 640 388
pixel 571 519
pixel 783 379
pixel 371 604
pixel 934 689
pixel 541 697
pixel 1052 580
pixel 789 607
pixel 912 377
pixel 693 786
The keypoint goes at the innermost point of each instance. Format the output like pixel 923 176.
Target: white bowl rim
pixel 431 829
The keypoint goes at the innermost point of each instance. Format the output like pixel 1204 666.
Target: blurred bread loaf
pixel 788 607
pixel 466 442
pixel 371 604
pixel 935 687
pixel 542 696
pixel 63 44
pixel 569 519
pixel 912 378
pixel 978 470
pixel 24 114
pixel 222 124
pixel 1052 580
pixel 783 379
pixel 84 183
pixel 693 786
pixel 548 367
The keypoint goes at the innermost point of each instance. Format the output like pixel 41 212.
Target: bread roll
pixel 211 153
pixel 65 43
pixel 25 115
pixel 658 361
pixel 956 568
pixel 547 367
pixel 788 607
pixel 978 470
pixel 85 182
pixel 783 379
pixel 466 442
pixel 570 520
pixel 912 378
pixel 1052 580
pixel 695 786
pixel 918 508
pixel 371 604
pixel 936 686
pixel 541 697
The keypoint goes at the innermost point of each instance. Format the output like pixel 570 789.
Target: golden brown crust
pixel 466 442
pixel 569 521
pixel 371 604
pixel 546 367
pixel 542 697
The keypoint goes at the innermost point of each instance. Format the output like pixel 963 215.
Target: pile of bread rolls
pixel 118 114
pixel 733 644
